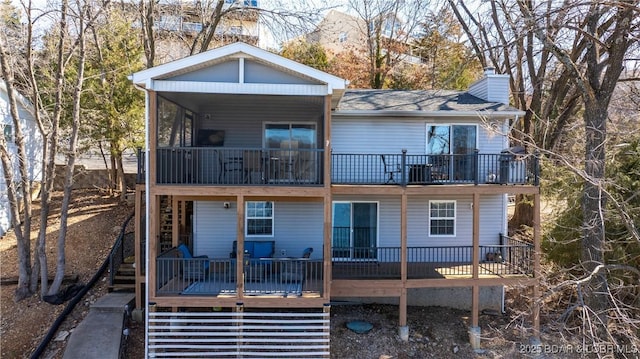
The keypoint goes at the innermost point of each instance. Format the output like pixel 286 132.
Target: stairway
pixel 125 278
pixel 166 223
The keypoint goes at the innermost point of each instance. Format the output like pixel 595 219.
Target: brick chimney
pixel 491 87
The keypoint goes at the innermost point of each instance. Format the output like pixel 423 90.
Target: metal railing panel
pixel 239 166
pixel 287 333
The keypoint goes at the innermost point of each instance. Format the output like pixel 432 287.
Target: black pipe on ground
pixel 71 305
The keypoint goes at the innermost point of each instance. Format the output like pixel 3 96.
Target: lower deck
pixel 303 278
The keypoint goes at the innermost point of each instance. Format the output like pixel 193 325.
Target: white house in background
pixel 33 141
pixel 269 191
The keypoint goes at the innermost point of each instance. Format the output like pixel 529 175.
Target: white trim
pixel 454 218
pixel 246 220
pixel 239 88
pixel 241 70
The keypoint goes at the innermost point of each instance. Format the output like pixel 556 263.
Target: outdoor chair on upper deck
pixel 390 169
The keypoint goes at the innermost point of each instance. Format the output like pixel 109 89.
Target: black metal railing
pixel 217 276
pixel 403 169
pixel 238 166
pixel 300 167
pixel 517 254
pixel 141 174
pixel 514 258
pixel 122 248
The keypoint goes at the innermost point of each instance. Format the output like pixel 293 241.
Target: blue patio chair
pixel 193 269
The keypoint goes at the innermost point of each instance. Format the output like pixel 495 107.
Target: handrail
pixel 303 167
pixel 118 248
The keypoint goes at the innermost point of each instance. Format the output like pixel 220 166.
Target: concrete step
pixel 99 335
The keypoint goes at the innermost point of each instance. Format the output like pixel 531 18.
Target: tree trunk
pixel 523 213
pixel 593 206
pixel 21 224
pixel 71 161
pixel 121 178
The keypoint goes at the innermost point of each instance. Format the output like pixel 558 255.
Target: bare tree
pixel 541 84
pixel 49 124
pixel 608 31
pixel 175 29
pixel 565 60
pixel 390 28
pixel 21 225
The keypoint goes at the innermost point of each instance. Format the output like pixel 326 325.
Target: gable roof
pixel 419 103
pixel 236 50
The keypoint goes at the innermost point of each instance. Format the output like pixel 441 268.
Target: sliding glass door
pixel 451 148
pixel 292 152
pixel 355 230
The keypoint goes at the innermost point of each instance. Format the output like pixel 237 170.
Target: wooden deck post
pixel 328 201
pixel 153 241
pixel 240 322
pixel 536 266
pixel 474 331
pixel 327 328
pixel 137 245
pixel 403 328
pixel 240 247
pixel 326 255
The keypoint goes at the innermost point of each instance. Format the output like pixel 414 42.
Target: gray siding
pixel 391 135
pixel 254 72
pixel 491 220
pixel 243 117
pixel 297 225
pixel 223 72
pixel 263 74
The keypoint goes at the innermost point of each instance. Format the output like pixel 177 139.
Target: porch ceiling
pixel 201 102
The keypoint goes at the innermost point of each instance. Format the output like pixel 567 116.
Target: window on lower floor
pixel 442 218
pixel 259 219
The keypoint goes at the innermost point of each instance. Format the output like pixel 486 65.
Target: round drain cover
pixel 359 326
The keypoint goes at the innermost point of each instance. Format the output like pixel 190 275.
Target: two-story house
pixel 33 147
pixel 268 191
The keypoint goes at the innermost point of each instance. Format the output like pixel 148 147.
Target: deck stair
pixel 125 278
pixel 166 223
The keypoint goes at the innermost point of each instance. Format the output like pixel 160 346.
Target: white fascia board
pixel 236 88
pixel 373 113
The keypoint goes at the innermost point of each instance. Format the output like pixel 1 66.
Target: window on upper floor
pixel 342 37
pixel 442 218
pixel 259 219
pixel 8 133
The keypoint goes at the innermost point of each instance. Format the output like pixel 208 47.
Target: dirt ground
pixel 94 223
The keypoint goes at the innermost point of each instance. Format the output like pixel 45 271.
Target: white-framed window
pixel 8 132
pixel 342 37
pixel 259 219
pixel 442 218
